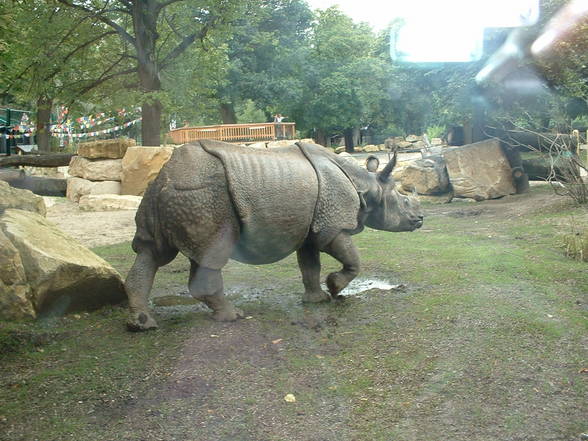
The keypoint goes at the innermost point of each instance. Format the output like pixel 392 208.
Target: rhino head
pixel 388 209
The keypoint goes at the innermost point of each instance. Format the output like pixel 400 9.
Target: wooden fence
pixel 235 132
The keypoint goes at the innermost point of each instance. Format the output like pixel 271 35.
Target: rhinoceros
pixel 214 201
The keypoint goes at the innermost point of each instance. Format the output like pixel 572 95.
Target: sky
pixel 438 30
pixel 379 13
pixel 370 11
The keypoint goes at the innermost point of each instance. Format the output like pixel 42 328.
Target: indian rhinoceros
pixel 214 201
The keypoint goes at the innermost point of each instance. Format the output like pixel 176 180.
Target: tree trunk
pixel 527 140
pixel 44 105
pixel 349 141
pixel 320 137
pixel 228 113
pixel 57 160
pixel 356 136
pixel 145 27
pixel 151 123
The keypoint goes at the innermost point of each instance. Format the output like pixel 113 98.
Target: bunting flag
pixel 66 127
pixel 67 134
pixel 98 132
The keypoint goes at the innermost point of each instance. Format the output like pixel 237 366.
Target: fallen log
pixel 37 184
pixel 56 160
pixel 530 141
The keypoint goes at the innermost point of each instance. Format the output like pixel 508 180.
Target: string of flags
pixel 66 127
pixel 66 134
pixel 98 132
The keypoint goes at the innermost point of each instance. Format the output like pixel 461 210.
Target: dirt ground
pixel 92 229
pixel 473 328
pixel 101 228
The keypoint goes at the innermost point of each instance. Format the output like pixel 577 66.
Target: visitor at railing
pixel 278 118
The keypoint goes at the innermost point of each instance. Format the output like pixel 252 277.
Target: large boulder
pixel 60 274
pixel 15 293
pixel 78 187
pixel 107 149
pixel 371 148
pixel 140 166
pixel 96 169
pixel 479 171
pixel 426 176
pixel 20 199
pixel 109 202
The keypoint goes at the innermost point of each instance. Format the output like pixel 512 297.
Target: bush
pixel 576 244
pixel 436 131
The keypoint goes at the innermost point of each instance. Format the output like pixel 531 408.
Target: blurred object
pixel 507 65
pixel 562 27
pixel 417 36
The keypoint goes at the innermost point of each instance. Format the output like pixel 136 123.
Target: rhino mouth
pixel 417 223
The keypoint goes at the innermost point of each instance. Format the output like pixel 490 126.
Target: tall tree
pixel 266 57
pixel 345 80
pixel 54 57
pixel 157 33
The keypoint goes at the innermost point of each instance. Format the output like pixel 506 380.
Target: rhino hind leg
pixel 206 285
pixel 342 249
pixel 310 267
pixel 138 286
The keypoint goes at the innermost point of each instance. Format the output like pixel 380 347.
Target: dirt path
pixel 92 228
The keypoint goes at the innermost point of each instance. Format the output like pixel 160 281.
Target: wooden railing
pixel 235 132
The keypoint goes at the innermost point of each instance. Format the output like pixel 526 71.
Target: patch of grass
pixel 485 343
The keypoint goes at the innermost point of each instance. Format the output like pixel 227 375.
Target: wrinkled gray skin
pixel 214 201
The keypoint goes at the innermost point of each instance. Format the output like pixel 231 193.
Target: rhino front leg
pixel 138 285
pixel 310 267
pixel 206 285
pixel 342 249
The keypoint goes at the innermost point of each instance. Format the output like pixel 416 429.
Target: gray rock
pixel 427 176
pixel 20 199
pixel 479 171
pixel 50 272
pixel 96 169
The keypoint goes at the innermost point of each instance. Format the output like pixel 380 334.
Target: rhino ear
pixel 384 175
pixel 372 163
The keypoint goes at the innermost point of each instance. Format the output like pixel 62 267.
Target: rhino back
pixel 274 194
pixel 188 208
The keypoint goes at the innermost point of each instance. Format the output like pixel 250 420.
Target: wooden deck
pixel 235 132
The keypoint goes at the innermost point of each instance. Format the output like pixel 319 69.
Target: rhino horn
pixel 384 175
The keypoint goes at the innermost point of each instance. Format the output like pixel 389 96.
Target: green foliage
pixel 435 131
pixel 248 112
pixel 580 122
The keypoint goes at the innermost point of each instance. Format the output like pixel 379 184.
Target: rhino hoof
pixel 228 315
pixel 315 297
pixel 335 282
pixel 141 322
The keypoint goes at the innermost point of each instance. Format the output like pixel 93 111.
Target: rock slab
pixel 105 149
pixel 48 272
pixel 15 294
pixel 20 199
pixel 78 187
pixel 479 171
pixel 140 166
pixel 109 202
pixel 427 176
pixel 96 170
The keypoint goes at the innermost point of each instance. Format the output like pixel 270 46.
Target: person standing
pixel 278 118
